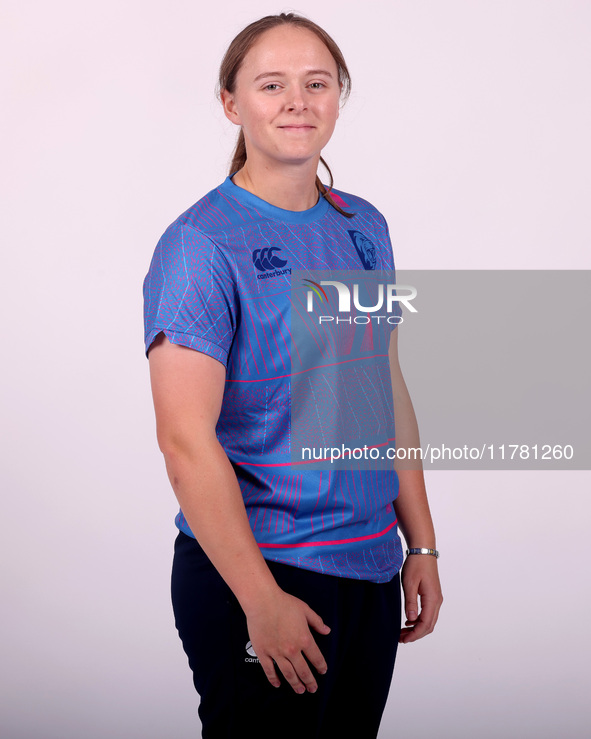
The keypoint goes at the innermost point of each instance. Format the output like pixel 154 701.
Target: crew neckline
pixel 272 211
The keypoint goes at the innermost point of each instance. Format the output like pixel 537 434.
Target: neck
pixel 292 188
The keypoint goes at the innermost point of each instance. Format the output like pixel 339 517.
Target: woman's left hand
pixel 420 579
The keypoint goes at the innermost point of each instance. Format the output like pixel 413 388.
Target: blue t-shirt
pixel 220 282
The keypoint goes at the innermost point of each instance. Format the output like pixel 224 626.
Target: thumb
pixel 316 622
pixel 411 607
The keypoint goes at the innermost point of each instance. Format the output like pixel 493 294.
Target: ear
pixel 229 105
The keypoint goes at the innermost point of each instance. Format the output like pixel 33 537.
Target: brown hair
pixel 232 62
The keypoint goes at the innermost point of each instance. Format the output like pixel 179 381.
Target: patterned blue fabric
pixel 219 282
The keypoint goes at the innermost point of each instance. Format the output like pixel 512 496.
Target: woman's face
pixel 286 97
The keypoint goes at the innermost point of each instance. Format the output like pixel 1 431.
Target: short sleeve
pixel 189 293
pixel 389 265
pixel 388 255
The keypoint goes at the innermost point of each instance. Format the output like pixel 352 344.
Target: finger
pixel 414 631
pixel 316 658
pixel 304 673
pixel 430 606
pixel 269 669
pixel 290 675
pixel 411 607
pixel 316 622
pixel 403 638
pixel 423 625
pixel 418 631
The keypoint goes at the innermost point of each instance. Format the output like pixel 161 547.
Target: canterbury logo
pixel 250 650
pixel 252 654
pixel 264 259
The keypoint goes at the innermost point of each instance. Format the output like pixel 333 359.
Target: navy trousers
pixel 236 698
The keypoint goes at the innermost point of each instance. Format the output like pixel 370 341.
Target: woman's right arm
pixel 188 387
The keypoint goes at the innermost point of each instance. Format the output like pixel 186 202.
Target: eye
pixel 272 86
pixel 317 85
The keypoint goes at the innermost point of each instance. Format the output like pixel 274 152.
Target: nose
pixel 296 101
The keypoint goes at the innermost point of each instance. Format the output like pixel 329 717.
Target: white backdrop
pixel 468 127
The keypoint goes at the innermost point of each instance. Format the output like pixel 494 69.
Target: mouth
pixel 297 128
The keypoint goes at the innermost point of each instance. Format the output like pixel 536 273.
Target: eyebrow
pixel 282 74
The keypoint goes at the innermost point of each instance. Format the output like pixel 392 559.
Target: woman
pixel 265 575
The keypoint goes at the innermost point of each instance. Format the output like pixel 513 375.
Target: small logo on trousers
pixel 253 655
